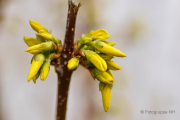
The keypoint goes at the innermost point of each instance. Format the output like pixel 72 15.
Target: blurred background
pixel 147 31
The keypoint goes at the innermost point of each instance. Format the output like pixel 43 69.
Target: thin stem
pixel 64 75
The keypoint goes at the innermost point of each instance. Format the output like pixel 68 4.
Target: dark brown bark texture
pixel 64 75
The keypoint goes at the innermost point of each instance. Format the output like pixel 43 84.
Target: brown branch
pixel 64 75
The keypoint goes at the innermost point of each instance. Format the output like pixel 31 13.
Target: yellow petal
pixel 111 43
pixel 45 70
pixel 34 51
pixel 112 65
pixel 45 34
pixel 103 76
pixel 84 40
pixel 37 26
pixel 105 80
pixel 37 61
pixel 42 47
pixel 73 63
pixel 36 77
pixel 31 41
pixel 109 71
pixel 35 66
pixel 96 60
pixel 100 34
pixel 106 97
pixel 48 36
pixel 105 56
pixel 101 65
pixel 105 48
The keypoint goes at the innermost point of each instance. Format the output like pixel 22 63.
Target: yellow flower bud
pixel 48 36
pixel 40 48
pixel 96 60
pixel 37 62
pixel 37 26
pixel 100 34
pixel 45 34
pixel 93 35
pixel 45 70
pixel 103 76
pixel 31 41
pixel 36 77
pixel 105 56
pixel 73 63
pixel 106 95
pixel 46 67
pixel 84 39
pixel 112 65
pixel 109 71
pixel 111 43
pixel 105 48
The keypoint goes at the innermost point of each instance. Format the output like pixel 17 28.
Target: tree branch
pixel 64 75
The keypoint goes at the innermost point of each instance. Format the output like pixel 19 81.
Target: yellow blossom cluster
pixel 43 48
pixel 93 51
